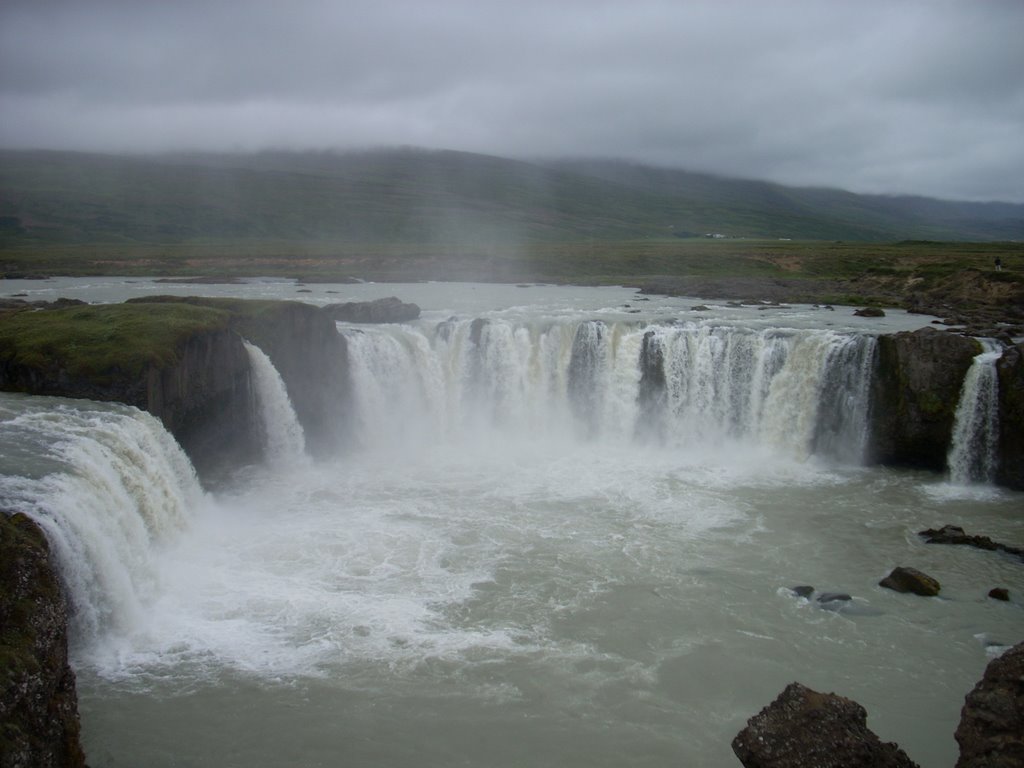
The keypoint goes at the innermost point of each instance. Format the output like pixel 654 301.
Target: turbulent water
pixel 563 536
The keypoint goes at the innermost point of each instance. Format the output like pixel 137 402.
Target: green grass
pixel 100 339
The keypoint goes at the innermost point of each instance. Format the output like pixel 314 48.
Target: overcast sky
pixel 896 96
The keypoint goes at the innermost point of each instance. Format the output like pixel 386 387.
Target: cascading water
pixel 972 454
pixel 109 486
pixel 283 439
pixel 804 392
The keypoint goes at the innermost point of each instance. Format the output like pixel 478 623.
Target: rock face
pixel 206 396
pixel 39 723
pixel 991 730
pixel 911 580
pixel 305 348
pixel 804 728
pixel 914 396
pixel 389 310
pixel 1010 370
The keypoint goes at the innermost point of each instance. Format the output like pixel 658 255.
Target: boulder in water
pixel 911 580
pixel 805 728
pixel 999 593
pixel 870 312
pixel 991 730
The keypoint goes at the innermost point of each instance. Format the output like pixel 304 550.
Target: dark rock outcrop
pixel 911 580
pixel 869 312
pixel 804 728
pixel 388 310
pixel 914 396
pixel 954 534
pixel 39 723
pixel 991 730
pixel 305 348
pixel 1010 370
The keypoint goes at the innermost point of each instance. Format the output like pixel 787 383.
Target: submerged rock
pixel 991 730
pixel 954 534
pixel 999 593
pixel 804 728
pixel 39 723
pixel 911 580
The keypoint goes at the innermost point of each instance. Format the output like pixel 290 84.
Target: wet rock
pixel 388 310
pixel 999 593
pixel 869 312
pixel 805 728
pixel 991 730
pixel 911 580
pixel 803 591
pixel 1010 370
pixel 39 723
pixel 914 395
pixel 954 534
pixel 834 597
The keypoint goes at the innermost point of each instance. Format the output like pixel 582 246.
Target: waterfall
pixel 972 455
pixel 685 385
pixel 283 440
pixel 109 486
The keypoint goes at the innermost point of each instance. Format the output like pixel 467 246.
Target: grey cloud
pixel 922 96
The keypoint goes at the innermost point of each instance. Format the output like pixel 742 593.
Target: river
pixel 532 551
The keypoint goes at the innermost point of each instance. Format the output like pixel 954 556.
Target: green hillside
pixel 434 198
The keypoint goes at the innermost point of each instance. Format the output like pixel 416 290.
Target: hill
pixel 438 197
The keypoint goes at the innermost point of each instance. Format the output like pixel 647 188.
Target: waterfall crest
pixel 973 454
pixel 685 384
pixel 109 486
pixel 284 442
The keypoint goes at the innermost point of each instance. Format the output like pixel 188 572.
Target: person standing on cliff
pixel 999 264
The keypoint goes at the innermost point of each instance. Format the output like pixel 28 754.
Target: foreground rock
pixel 804 728
pixel 991 730
pixel 39 723
pixel 389 310
pixel 954 534
pixel 911 580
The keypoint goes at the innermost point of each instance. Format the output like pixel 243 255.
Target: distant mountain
pixel 413 195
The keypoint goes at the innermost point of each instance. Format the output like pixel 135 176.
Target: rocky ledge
pixel 388 310
pixel 183 360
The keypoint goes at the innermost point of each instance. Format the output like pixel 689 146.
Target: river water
pixel 533 552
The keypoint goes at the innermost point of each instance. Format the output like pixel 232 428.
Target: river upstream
pixel 528 555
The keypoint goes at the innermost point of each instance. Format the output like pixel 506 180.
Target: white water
pixel 718 387
pixel 284 443
pixel 111 488
pixel 536 556
pixel 972 456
